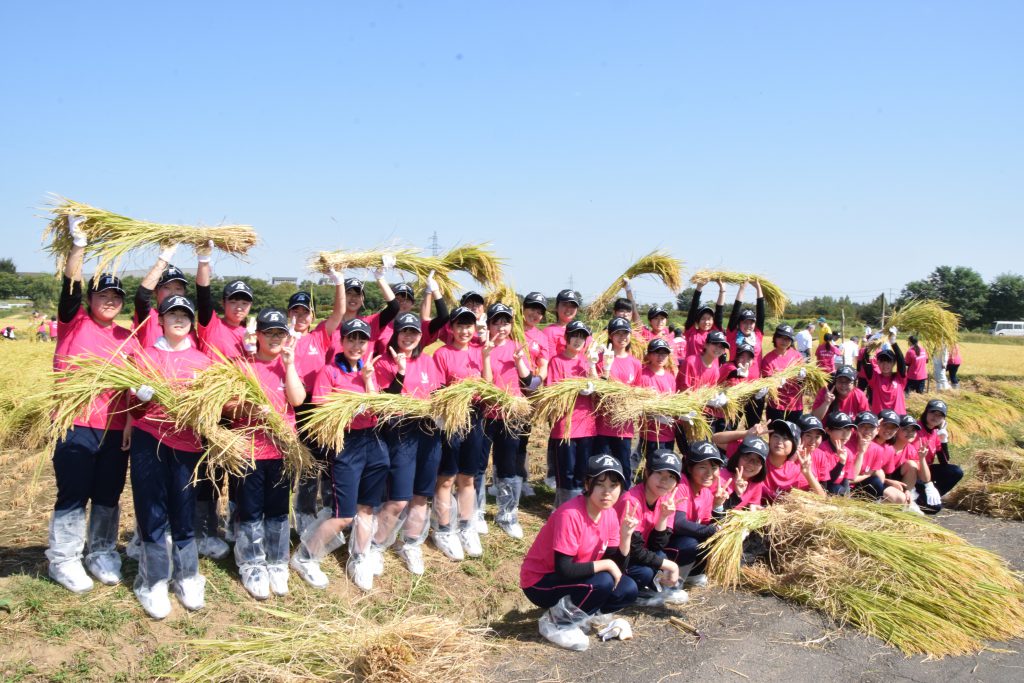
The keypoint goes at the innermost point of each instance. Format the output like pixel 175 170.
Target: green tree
pixel 1005 298
pixel 683 299
pixel 7 266
pixel 960 287
pixel 44 290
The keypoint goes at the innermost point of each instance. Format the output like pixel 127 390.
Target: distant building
pixel 284 281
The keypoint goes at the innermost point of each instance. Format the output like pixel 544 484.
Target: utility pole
pixel 435 246
pixel 883 311
pixel 571 285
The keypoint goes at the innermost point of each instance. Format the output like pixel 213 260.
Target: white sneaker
pixel 154 600
pixel 191 592
pixel 213 547
pixel 568 637
pixel 361 572
pixel 309 571
pixel 256 580
pixel 913 507
pixel 278 575
pixel 527 490
pixel 448 543
pixel 413 556
pixel 375 557
pixel 550 482
pixel 512 529
pixel 480 523
pixel 696 581
pixel 105 567
pixel 72 576
pixel 675 596
pixel 470 540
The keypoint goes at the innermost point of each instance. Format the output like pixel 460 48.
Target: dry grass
pixel 997 488
pixel 775 299
pixel 408 259
pixel 327 423
pixel 658 263
pixel 482 264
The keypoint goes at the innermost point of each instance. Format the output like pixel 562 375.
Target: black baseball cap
pixel 599 464
pixel 909 421
pixel 461 312
pixel 619 325
pixel 754 444
pixel 238 288
pixel 407 321
pixel 536 299
pixel 575 327
pixel 403 289
pixel 839 420
pixel 300 299
pixel 936 404
pixel 867 417
pixel 700 451
pixel 104 282
pixel 886 354
pixel 172 274
pixel 354 283
pixel 716 337
pixel 658 344
pixel 745 348
pixel 471 296
pixel 747 314
pixel 808 423
pixel 177 301
pixel 704 309
pixel 787 429
pixel 847 372
pixel 568 296
pixel 355 326
pixel 498 309
pixel 889 416
pixel 654 311
pixel 271 319
pixel 785 331
pixel 665 460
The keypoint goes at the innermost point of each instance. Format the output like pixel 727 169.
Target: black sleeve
pixel 836 471
pixel 864 363
pixel 204 305
pixel 396 384
pixel 640 554
pixel 616 556
pixel 759 312
pixel 388 314
pixel 942 455
pixel 70 299
pixel 657 540
pixel 525 381
pixel 143 296
pixel 684 527
pixel 734 316
pixel 568 568
pixel 901 362
pixel 733 500
pixel 719 312
pixel 441 319
pixel 691 316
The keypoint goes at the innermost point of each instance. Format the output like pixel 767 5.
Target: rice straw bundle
pixel 891 574
pixel 775 299
pixel 658 263
pixel 637 345
pixel 971 415
pixel 408 259
pixel 997 488
pixel 112 236
pixel 1011 393
pixel 454 405
pixel 930 321
pixel 482 264
pixel 328 421
pixel 24 421
pixel 353 647
pixel 501 292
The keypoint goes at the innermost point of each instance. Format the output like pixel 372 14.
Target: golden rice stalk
pixel 455 403
pixel 317 646
pixel 1009 392
pixel 854 561
pixel 1002 499
pixel 408 259
pixel 658 263
pixel 930 321
pixel 482 264
pixel 775 299
pixel 24 421
pixel 112 236
pixel 501 292
pixel 971 415
pixel 637 345
pixel 327 422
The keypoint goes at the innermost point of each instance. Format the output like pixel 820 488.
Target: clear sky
pixel 835 147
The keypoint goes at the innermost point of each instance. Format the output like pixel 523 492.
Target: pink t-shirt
pixel 824 459
pixel 455 365
pixel 778 480
pixel 826 357
pixel 583 422
pixel 932 440
pixel 270 375
pixel 83 336
pixel 790 395
pixel 219 337
pixel 917 364
pixel 570 531
pixel 503 370
pixel 664 383
pixel 536 346
pixel 954 355
pixel 905 454
pixel 421 375
pixel 555 334
pixel 53 329
pixel 647 334
pixel 755 339
pixel 752 496
pixel 179 367
pixel 373 320
pixel 311 355
pixel 648 517
pixel 887 458
pixel 875 458
pixel 695 375
pixel 697 506
pixel 887 392
pixel 696 340
pixel 851 404
pixel 332 378
pixel 753 372
pixel 627 371
pixel 149 330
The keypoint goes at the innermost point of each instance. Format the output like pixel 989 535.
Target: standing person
pixel 789 462
pixel 405 300
pixel 618 365
pixel 164 280
pixel 823 329
pixel 658 433
pixel 700 320
pixel 704 370
pixel 572 437
pixel 90 462
pixel 844 396
pixel 261 493
pixel 567 305
pixel 576 565
pixel 358 472
pixel 457 360
pixel 744 368
pixel 747 326
pixel 850 350
pixel 804 340
pixel 942 474
pixel 826 353
pixel 53 328
pixel 163 461
pixel 953 365
pixel 657 325
pixel 535 307
pixel 887 384
pixel 698 496
pixel 355 299
pixel 41 329
pixel 789 403
pixel 917 367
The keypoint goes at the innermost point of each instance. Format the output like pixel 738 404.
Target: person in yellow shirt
pixel 823 329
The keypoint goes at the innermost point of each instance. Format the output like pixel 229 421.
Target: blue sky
pixel 834 147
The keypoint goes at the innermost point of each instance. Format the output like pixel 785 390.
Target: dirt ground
pixel 758 637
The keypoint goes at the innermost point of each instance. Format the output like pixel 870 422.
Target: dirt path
pixel 752 637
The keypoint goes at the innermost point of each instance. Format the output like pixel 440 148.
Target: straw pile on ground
pixel 775 299
pixel 891 574
pixel 997 488
pixel 658 263
pixel 972 414
pixel 112 236
pixel 314 647
pixel 930 321
pixel 24 421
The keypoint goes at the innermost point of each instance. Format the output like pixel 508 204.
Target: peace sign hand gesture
pixel 739 484
pixel 630 521
pixel 288 351
pixel 399 358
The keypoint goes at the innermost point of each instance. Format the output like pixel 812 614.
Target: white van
pixel 1008 328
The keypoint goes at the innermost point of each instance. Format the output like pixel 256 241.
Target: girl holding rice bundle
pixel 789 462
pixel 887 384
pixel 163 461
pixel 535 307
pixel 704 370
pixel 657 325
pixel 942 474
pixel 744 367
pixel 789 403
pixel 747 326
pixel 700 320
pixel 358 472
pixel 659 432
pixel 618 365
pixel 90 461
pixel 164 280
pixel 355 299
pixel 567 305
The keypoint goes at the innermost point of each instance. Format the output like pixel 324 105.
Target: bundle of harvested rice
pixel 658 263
pixel 930 321
pixel 971 415
pixel 24 421
pixel 637 345
pixel 317 647
pixel 112 236
pixel 1007 391
pixel 502 292
pixel 891 574
pixel 454 404
pixel 407 259
pixel 327 422
pixel 997 488
pixel 807 374
pixel 482 264
pixel 775 299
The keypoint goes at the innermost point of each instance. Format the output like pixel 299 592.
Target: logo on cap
pixel 606 461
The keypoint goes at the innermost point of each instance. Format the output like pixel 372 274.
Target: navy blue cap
pixel 866 417
pixel 909 421
pixel 658 344
pixel 665 460
pixel 787 429
pixel 754 444
pixel 889 416
pixel 271 319
pixel 705 309
pixel 747 314
pixel 353 283
pixel 355 326
pixel 701 451
pixel 716 337
pixel 570 296
pixel 848 372
pixel 575 327
pixel 171 274
pixel 238 288
pixel 937 404
pixel 808 423
pixel 403 289
pixel 471 295
pixel 407 321
pixel 301 299
pixel 461 312
pixel 619 325
pixel 839 420
pixel 655 311
pixel 887 354
pixel 105 282
pixel 785 331
pixel 535 299
pixel 497 309
pixel 599 464
pixel 745 348
pixel 177 301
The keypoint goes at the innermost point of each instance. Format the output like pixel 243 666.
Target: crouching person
pixel 575 566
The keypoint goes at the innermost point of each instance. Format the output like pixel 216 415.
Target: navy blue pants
pixel 599 592
pixel 505 445
pixel 162 489
pixel 89 466
pixel 945 477
pixel 872 487
pixel 359 473
pixel 620 448
pixel 521 456
pixel 642 575
pixel 571 458
pixel 262 492
pixel 414 451
pixel 463 454
pixel 683 550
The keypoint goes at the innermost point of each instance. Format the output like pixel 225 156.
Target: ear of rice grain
pixel 658 263
pixel 482 264
pixel 972 415
pixel 502 292
pixel 328 421
pixel 407 259
pixel 112 236
pixel 775 299
pixel 997 488
pixel 930 321
pixel 455 403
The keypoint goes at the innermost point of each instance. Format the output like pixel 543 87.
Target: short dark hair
pixel 588 483
pixel 622 304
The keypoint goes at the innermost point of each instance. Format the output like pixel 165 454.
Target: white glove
pixel 168 253
pixel 361 409
pixel 761 393
pixel 249 347
pixel 893 331
pixel 388 261
pixel 625 284
pixel 432 286
pixel 609 357
pixel 719 401
pixel 439 422
pixel 664 420
pixel 203 253
pixel 943 433
pixel 587 390
pixel 592 354
pixel 782 382
pixel 78 236
pixel 932 495
pixel 250 325
pixel 336 277
pixel 803 374
pixel 144 393
pixel 618 628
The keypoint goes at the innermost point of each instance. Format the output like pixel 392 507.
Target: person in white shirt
pixel 804 339
pixel 851 347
